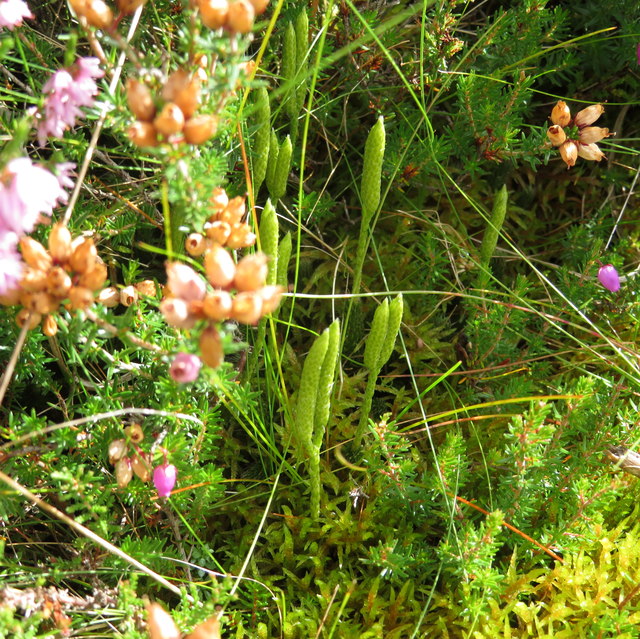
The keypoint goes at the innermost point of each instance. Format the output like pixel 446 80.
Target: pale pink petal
pixel 10 263
pixel 12 12
pixel 28 191
pixel 185 368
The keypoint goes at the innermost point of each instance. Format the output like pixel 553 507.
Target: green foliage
pixel 277 181
pixel 490 237
pixel 378 348
pixel 314 404
pixel 481 502
pixel 262 138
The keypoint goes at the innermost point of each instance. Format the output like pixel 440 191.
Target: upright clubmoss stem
pixel 314 405
pixel 378 350
pixel 491 235
pixel 369 193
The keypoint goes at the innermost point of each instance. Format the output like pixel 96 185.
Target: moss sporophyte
pixel 576 137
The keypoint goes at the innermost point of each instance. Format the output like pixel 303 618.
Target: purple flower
pixel 10 262
pixel 608 277
pixel 12 12
pixel 164 479
pixel 26 191
pixel 67 91
pixel 185 368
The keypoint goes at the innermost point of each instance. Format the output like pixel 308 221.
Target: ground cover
pixel 319 319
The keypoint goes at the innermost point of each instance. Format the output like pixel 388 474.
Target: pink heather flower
pixel 64 171
pixel 608 277
pixel 67 91
pixel 12 12
pixel 164 479
pixel 26 191
pixel 10 262
pixel 185 368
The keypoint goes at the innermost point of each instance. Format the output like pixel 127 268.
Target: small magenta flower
pixel 164 479
pixel 608 277
pixel 12 13
pixel 185 368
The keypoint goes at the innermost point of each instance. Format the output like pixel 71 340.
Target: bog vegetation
pixel 319 319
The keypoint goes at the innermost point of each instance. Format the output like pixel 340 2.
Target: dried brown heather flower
pixel 259 6
pixel 271 296
pixel 124 472
pixel 95 278
pixel 195 244
pixel 140 100
pixel 141 466
pixel 560 114
pixel 219 198
pixel 135 433
pixel 241 236
pixel 187 96
pixel 239 291
pixel 67 273
pixel 143 134
pixel 569 153
pixel 109 297
pixel 218 231
pixel 200 128
pixel 217 306
pixel 25 315
pixel 128 7
pixel 247 307
pixel 213 13
pixel 84 256
pixel 234 211
pixel 209 629
pixel 625 458
pixel 34 254
pixel 49 326
pixel 240 16
pixel 585 137
pixel 96 12
pixel 80 298
pixel 219 266
pixel 60 242
pixel 147 288
pixel 117 450
pixel 556 135
pixel 211 351
pixel 170 120
pixel 160 624
pixel 58 282
pixel 251 272
pixel 128 296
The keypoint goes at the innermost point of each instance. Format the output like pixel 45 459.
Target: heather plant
pixel 315 322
